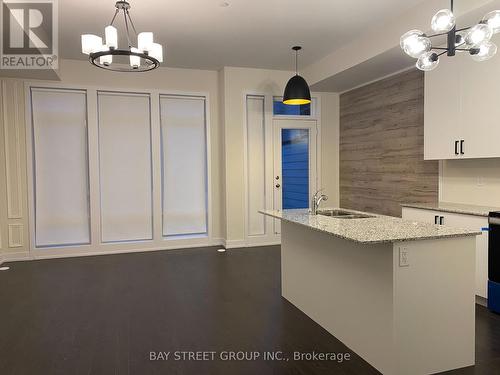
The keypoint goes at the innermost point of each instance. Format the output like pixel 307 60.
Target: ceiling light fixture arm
pixel 131 22
pixel 114 17
pixel 452 39
pixel 126 28
pixel 125 6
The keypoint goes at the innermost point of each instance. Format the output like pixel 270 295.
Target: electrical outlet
pixel 480 181
pixel 404 260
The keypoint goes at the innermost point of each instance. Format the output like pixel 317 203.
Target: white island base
pixel 415 319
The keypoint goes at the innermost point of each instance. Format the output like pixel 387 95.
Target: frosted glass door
pixel 60 167
pixel 295 168
pixel 125 167
pixel 184 164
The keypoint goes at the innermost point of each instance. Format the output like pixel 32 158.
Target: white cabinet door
pixel 416 214
pixel 461 104
pixel 474 223
pixel 465 222
pixel 480 116
pixel 442 111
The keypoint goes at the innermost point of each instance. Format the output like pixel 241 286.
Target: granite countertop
pixel 377 229
pixel 456 208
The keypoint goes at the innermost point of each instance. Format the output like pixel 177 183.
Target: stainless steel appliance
pixel 494 262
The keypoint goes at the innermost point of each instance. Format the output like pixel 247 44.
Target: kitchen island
pixel 398 293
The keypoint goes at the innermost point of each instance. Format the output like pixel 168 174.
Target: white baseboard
pixel 40 254
pixel 235 244
pixel 14 257
pixel 265 243
pixel 482 301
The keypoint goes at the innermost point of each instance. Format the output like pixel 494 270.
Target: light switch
pixel 404 260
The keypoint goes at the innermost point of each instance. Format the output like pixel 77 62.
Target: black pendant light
pixel 297 90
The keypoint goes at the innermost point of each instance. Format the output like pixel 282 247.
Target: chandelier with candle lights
pixel 106 55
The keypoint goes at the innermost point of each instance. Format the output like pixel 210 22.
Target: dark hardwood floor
pixel 104 315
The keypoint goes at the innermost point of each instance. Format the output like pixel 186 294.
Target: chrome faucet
pixel 316 201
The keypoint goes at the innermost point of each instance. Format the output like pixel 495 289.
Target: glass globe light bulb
pixel 428 61
pixel 459 40
pixel 443 21
pixel 492 19
pixel 414 43
pixel 478 34
pixel 486 51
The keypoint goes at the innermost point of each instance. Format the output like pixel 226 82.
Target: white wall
pixel 181 80
pixel 14 241
pixel 330 146
pixel 226 90
pixel 237 83
pixel 475 181
pixel 82 74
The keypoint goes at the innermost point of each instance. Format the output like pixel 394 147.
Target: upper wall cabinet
pixel 462 114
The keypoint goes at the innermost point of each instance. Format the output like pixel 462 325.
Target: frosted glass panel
pixel 60 167
pixel 256 154
pixel 184 165
pixel 295 168
pixel 125 167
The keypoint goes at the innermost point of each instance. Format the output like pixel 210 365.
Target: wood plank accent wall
pixel 382 146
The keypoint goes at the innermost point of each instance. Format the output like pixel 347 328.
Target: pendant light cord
pixel 296 62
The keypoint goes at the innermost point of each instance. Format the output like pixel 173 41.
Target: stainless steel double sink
pixel 343 214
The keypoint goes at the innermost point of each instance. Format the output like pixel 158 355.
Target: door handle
pixel 436 219
pixel 462 147
pixel 456 147
pixel 441 220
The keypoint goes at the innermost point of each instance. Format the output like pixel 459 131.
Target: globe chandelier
pixel 475 40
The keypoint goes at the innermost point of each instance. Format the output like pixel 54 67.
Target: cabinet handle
pixel 436 219
pixel 456 148
pixel 441 220
pixel 462 147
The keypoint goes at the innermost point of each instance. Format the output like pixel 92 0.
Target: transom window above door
pixel 303 110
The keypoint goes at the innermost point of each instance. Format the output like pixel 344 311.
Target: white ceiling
pixel 394 60
pixel 202 34
pixel 386 64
